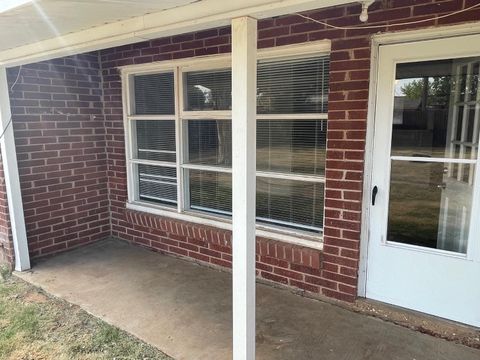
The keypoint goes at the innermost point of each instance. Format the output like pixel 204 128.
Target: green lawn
pixel 35 326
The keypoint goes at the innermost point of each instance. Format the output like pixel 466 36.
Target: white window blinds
pixel 294 86
pixel 154 94
pixel 292 102
pixel 154 153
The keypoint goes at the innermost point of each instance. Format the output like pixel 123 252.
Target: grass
pixel 35 326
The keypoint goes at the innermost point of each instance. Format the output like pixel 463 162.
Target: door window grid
pixel 184 168
pixel 463 104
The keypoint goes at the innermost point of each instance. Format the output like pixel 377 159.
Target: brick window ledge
pixel 287 236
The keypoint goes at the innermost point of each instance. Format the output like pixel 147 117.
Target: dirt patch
pixel 426 324
pixel 35 297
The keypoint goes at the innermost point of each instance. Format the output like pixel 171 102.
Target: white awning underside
pixel 42 29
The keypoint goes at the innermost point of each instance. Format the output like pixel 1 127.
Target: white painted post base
pixel 244 77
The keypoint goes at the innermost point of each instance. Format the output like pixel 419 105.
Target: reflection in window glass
pixel 210 142
pixel 291 146
pixel 423 105
pixel 426 208
pixel 208 90
pixel 290 203
pixel 292 95
pixel 210 191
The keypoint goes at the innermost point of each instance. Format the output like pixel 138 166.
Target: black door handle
pixel 374 194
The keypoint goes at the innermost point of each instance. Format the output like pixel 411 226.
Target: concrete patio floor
pixel 185 310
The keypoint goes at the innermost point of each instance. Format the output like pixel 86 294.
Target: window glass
pixel 156 140
pixel 157 184
pixel 291 140
pixel 294 86
pixel 425 112
pixel 291 146
pixel 435 121
pixel 290 203
pixel 208 90
pixel 154 94
pixel 419 213
pixel 210 142
pixel 210 191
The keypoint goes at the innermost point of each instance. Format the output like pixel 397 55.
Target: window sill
pixel 287 236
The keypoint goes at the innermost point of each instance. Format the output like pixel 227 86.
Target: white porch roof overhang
pixel 44 29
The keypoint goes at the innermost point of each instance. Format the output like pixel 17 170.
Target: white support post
pixel 12 180
pixel 244 109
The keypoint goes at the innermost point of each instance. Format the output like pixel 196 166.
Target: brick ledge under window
pixel 289 237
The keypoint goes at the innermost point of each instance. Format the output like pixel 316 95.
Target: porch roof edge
pixel 194 17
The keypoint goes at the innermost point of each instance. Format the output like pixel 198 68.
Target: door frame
pixel 376 42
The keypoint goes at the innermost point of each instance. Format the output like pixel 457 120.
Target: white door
pixel 424 225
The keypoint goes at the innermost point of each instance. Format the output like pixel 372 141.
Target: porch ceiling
pixel 43 29
pixel 45 19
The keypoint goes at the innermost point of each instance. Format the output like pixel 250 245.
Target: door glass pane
pixel 428 207
pixel 433 107
pixel 434 117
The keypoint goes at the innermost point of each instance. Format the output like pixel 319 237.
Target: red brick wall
pixel 60 140
pixel 334 271
pixel 6 245
pixel 72 166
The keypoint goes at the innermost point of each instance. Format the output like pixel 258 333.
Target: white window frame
pixel 182 212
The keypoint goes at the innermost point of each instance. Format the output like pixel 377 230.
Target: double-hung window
pixel 179 139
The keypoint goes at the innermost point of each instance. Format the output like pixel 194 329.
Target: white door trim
pixel 376 42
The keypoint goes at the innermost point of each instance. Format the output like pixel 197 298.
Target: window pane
pixel 157 184
pixel 297 204
pixel 208 90
pixel 210 142
pixel 210 191
pixel 293 86
pixel 291 146
pixel 434 107
pixel 428 206
pixel 290 203
pixel 156 140
pixel 154 94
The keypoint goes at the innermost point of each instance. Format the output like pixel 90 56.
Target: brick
pixel 304 286
pixel 288 273
pixel 92 155
pixel 274 278
pixel 338 295
pixel 292 39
